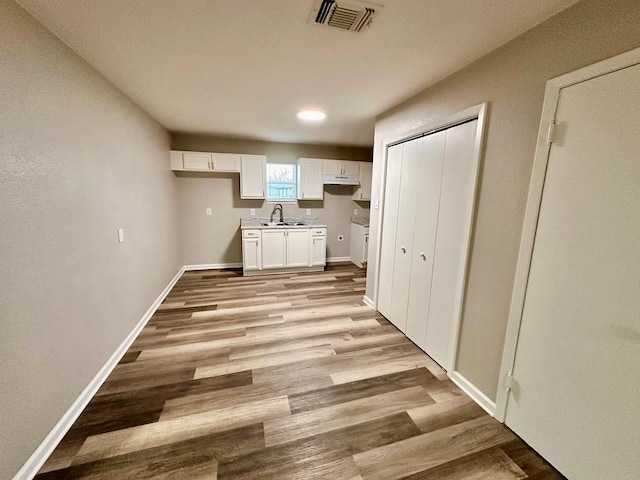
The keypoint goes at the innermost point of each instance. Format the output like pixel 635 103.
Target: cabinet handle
pixel 423 256
pixel 403 249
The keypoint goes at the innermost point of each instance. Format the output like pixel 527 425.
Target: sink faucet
pixel 278 206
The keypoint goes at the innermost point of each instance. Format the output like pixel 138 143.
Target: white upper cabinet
pixel 310 185
pixel 225 162
pixel 363 191
pixel 253 176
pixel 340 172
pixel 196 161
pixel 204 161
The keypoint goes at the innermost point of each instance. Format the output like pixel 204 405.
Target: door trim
pixel 534 199
pixel 479 113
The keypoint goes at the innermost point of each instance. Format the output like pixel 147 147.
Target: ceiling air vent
pixel 352 15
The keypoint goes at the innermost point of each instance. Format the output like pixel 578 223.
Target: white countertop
pixel 360 220
pixel 258 223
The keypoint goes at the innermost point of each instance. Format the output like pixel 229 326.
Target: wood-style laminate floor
pixel 283 377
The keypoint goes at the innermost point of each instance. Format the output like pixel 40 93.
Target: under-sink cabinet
pixel 276 250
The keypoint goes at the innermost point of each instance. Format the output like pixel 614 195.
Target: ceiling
pixel 244 68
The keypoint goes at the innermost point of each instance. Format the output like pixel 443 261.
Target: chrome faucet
pixel 278 206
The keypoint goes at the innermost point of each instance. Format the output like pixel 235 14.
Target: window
pixel 281 182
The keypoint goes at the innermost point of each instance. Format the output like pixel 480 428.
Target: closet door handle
pixel 423 256
pixel 403 249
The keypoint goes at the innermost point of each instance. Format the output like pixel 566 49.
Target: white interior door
pixel 410 184
pixel 428 201
pixel 389 225
pixel 576 387
pixel 453 218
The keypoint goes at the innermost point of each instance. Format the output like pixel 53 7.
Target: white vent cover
pixel 347 15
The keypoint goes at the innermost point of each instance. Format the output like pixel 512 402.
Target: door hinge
pixel 508 381
pixel 551 134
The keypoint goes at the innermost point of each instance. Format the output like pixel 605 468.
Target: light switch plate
pixel 253 211
pixel 376 205
pixel 355 211
pixel 207 212
pixel 308 211
pixel 120 235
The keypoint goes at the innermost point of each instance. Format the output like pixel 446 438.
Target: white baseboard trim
pixel 476 395
pixel 368 302
pixel 211 266
pixel 338 259
pixel 51 441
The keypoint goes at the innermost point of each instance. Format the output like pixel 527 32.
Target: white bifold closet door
pixel 429 191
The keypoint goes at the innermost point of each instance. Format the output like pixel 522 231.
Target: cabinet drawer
pixel 250 233
pixel 318 232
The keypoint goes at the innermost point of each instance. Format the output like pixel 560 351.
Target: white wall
pixel 77 161
pixel 512 79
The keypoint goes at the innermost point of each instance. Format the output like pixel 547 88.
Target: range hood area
pixel 340 180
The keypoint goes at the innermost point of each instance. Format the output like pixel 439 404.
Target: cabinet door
pixel 412 157
pixel 297 248
pixel 224 162
pixel 430 173
pixel 363 192
pixel 251 254
pixel 351 168
pixel 366 249
pixel 273 249
pixel 253 176
pixel 310 186
pixel 332 167
pixel 456 204
pixel 389 224
pixel 196 161
pixel 355 244
pixel 318 251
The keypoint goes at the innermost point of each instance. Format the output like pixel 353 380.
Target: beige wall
pixel 512 79
pixel 77 161
pixel 216 238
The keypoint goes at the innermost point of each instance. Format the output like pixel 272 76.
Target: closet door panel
pixel 410 184
pixel 456 203
pixel 428 201
pixel 389 224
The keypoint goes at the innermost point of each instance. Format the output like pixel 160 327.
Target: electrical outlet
pixel 207 212
pixel 120 235
pixel 355 211
pixel 340 238
pixel 308 211
pixel 253 211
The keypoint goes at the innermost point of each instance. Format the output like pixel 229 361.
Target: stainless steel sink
pixel 282 224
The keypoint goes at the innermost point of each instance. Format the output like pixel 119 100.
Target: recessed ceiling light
pixel 311 115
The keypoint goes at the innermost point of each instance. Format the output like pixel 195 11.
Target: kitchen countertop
pixel 257 223
pixel 360 220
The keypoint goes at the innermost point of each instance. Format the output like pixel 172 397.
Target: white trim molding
pixel 211 266
pixel 368 302
pixel 338 259
pixel 55 436
pixel 474 392
pixel 536 187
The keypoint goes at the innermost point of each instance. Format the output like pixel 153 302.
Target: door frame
pixel 534 199
pixel 477 112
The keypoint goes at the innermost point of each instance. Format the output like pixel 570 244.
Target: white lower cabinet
pixel 284 248
pixel 359 250
pixel 297 248
pixel 318 247
pixel 273 249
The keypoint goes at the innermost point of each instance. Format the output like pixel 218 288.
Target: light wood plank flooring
pixel 283 377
